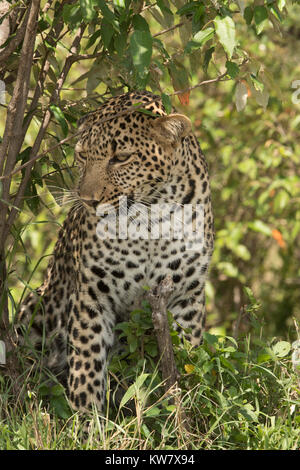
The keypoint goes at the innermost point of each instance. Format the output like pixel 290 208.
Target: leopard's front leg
pixel 90 337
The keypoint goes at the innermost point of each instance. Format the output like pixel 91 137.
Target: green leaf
pixel 171 408
pixel 276 13
pixel 250 295
pixel 106 12
pixel 260 226
pixel 24 155
pixel 179 76
pixel 222 400
pixel 140 24
pixel 151 349
pixel 281 4
pixel 281 200
pixel 57 390
pixel 248 412
pixel 60 118
pixel 167 103
pixel 227 364
pixel 163 7
pixel 241 96
pixel 119 3
pixel 108 15
pixel 225 29
pixel 263 357
pixel 133 389
pixel 260 18
pixel 106 33
pixel 133 343
pixel 32 199
pixel 95 36
pixel 61 407
pixel 248 15
pixel 232 69
pixel 281 349
pixel 72 15
pixel 199 39
pixel 141 51
pixel 210 339
pixel 258 85
pixel 228 269
pixel 154 411
pixel 128 395
pixel 199 18
pixel 242 252
pixel 42 25
pixel 87 9
pixel 120 43
pixel 248 167
pixel 207 58
pixel 189 7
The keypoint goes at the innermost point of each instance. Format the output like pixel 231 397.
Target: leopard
pixel 130 152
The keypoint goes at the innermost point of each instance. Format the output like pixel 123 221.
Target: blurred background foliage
pixel 229 66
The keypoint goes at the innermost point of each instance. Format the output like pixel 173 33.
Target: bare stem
pixel 158 299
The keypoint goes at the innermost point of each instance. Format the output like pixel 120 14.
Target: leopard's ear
pixel 170 129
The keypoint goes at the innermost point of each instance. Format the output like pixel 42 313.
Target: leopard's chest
pixel 117 271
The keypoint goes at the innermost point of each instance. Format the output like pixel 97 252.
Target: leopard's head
pixel 127 147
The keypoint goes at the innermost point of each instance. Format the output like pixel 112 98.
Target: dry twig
pixel 158 299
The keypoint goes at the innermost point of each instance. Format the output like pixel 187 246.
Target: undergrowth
pixel 236 394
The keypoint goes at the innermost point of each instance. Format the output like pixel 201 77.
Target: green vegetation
pixel 231 66
pixel 236 394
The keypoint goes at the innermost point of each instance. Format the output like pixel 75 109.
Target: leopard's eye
pixel 120 158
pixel 81 156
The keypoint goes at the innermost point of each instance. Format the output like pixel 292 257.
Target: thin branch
pixel 16 107
pixel 167 30
pixel 158 298
pixel 12 142
pixel 12 138
pixel 148 6
pixel 52 38
pixel 219 78
pixel 205 82
pixel 15 41
pixel 87 56
pixel 47 6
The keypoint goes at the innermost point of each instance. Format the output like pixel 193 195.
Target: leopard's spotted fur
pixel 93 283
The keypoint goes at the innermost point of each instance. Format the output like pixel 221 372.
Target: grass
pixel 236 395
